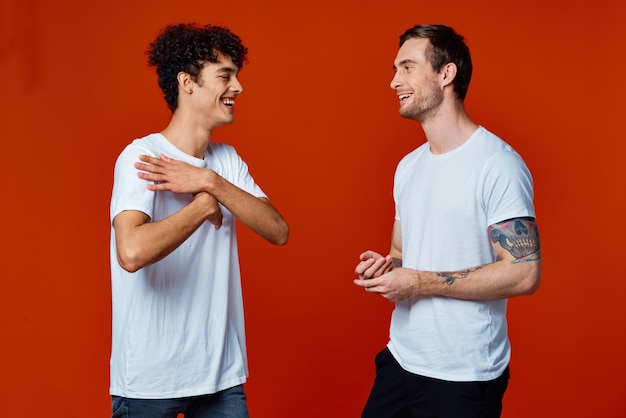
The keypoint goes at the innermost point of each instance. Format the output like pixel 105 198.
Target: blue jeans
pixel 229 403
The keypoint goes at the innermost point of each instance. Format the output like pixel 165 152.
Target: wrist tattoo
pixel 396 262
pixel 449 277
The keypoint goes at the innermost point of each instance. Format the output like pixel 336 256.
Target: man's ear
pixel 448 72
pixel 185 83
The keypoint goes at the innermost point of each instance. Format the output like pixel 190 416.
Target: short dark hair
pixel 445 46
pixel 186 47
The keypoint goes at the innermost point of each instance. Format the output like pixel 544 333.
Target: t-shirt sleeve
pixel 241 175
pixel 405 164
pixel 396 181
pixel 129 191
pixel 508 188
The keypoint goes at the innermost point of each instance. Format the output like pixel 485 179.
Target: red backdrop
pixel 318 126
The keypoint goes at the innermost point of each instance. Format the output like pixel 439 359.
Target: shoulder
pixel 497 153
pixel 149 144
pixel 225 160
pixel 412 157
pixel 222 150
pixel 492 142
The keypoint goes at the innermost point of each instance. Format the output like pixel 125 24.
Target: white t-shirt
pixel 445 204
pixel 178 326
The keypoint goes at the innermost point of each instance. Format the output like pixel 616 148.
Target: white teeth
pixel 404 96
pixel 228 102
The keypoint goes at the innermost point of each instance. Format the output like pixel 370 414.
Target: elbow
pixel 530 284
pixel 277 232
pixel 282 235
pixel 529 287
pixel 128 260
pixel 281 241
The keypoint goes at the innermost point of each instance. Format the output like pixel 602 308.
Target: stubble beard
pixel 424 107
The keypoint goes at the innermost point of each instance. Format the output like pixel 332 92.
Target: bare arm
pixel 140 242
pixel 516 272
pixel 258 214
pixel 396 244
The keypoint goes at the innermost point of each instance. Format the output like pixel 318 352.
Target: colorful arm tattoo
pixel 519 236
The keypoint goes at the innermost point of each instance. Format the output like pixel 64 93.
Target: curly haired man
pixel 178 332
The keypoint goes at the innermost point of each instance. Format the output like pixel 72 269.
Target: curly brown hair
pixel 186 47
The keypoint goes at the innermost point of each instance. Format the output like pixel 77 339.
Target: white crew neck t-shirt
pixel 178 325
pixel 445 204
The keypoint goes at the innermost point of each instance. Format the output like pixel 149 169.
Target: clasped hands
pixel 376 275
pixel 176 176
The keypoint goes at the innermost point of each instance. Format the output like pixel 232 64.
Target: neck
pixel 187 136
pixel 450 129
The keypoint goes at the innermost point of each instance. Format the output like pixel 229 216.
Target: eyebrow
pixel 228 70
pixel 403 62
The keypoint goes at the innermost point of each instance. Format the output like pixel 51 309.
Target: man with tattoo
pixel 464 240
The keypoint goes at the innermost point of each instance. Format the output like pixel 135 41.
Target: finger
pixel 376 269
pixel 365 283
pixel 386 266
pixel 216 220
pixel 369 254
pixel 371 289
pixel 149 176
pixel 149 159
pixel 158 187
pixel 146 167
pixel 362 266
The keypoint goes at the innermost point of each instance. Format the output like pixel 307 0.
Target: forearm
pixel 498 280
pixel 143 243
pixel 257 214
pixel 179 177
pixel 517 270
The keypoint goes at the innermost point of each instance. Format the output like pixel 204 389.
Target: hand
pixel 372 265
pixel 172 175
pixel 215 212
pixel 394 285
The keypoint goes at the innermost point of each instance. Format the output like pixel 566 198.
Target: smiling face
pixel 213 95
pixel 416 83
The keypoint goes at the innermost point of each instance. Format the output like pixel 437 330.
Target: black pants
pixel 400 394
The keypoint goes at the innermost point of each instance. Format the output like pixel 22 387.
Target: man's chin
pixel 226 122
pixel 407 114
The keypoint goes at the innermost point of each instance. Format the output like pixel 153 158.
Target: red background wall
pixel 318 125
